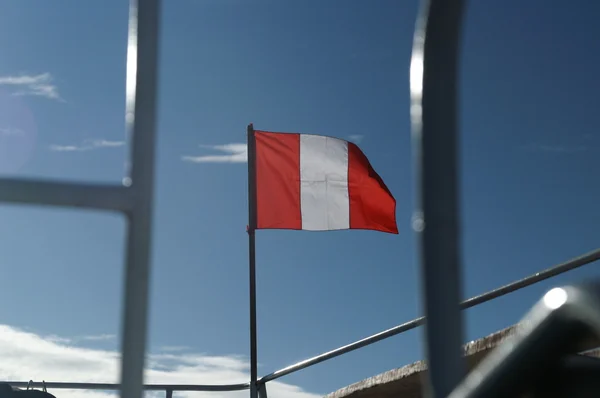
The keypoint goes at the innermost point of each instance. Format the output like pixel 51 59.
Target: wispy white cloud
pixel 58 339
pixel 235 152
pixel 98 337
pixel 231 153
pixel 87 145
pixel 174 348
pixel 29 356
pixel 356 138
pixel 11 132
pixel 78 339
pixel 37 85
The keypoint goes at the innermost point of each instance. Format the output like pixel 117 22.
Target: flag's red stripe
pixel 278 180
pixel 372 206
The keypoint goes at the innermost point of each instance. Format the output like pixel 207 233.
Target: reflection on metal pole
pixel 433 87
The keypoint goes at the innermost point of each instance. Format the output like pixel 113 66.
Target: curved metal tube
pixel 433 89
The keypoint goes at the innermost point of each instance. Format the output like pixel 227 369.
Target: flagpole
pixel 252 258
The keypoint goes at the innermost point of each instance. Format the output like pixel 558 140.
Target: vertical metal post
pixel 142 70
pixel 252 258
pixel 262 390
pixel 169 393
pixel 433 86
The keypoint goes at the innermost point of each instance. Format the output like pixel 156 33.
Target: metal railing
pixel 396 330
pixel 168 388
pixel 471 302
pixel 134 198
pixel 433 90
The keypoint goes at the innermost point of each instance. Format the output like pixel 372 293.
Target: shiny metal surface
pixel 252 221
pixel 140 117
pixel 436 221
pixel 66 194
pixel 469 303
pixel 134 198
pixel 549 333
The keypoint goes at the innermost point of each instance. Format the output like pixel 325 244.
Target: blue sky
pixel 529 137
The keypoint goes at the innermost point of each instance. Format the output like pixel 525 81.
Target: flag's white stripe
pixel 324 200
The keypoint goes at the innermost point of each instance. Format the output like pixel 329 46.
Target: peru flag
pixel 318 183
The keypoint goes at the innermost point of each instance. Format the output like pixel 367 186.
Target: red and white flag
pixel 318 183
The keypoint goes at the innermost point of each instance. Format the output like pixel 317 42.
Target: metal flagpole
pixel 252 257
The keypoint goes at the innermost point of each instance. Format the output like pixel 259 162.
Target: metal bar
pixel 433 87
pixel 342 350
pixel 262 391
pixel 147 387
pixel 548 273
pixel 55 193
pixel 471 302
pixel 169 393
pixel 252 222
pixel 140 115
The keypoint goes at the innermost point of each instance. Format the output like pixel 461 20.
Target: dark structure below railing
pixel 407 381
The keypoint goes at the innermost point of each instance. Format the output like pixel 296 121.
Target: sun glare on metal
pixel 555 298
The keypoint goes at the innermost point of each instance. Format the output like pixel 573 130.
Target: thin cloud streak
pixel 235 152
pixel 232 153
pixel 99 337
pixel 356 138
pixel 87 145
pixel 547 148
pixel 11 132
pixel 29 356
pixel 74 340
pixel 174 348
pixel 35 85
